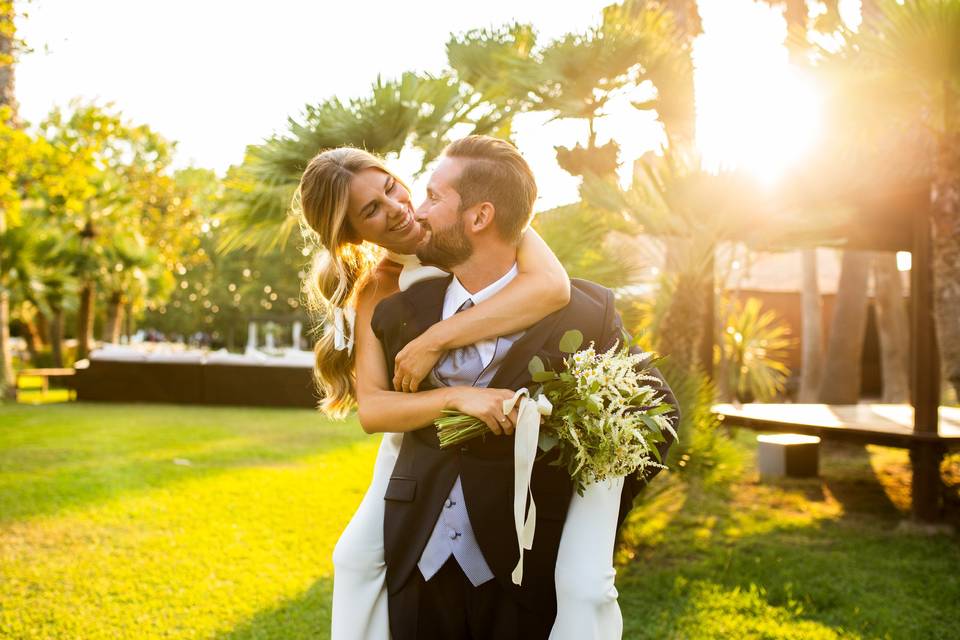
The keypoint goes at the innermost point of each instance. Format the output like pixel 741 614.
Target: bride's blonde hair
pixel 339 267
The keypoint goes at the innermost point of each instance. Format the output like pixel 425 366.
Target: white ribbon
pixel 343 319
pixel 526 437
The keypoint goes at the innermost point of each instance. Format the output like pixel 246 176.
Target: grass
pixel 137 521
pixel 818 558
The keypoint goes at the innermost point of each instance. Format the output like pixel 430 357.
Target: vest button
pixel 449 503
pixel 452 534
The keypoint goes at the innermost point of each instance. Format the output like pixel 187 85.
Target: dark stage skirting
pixel 195 383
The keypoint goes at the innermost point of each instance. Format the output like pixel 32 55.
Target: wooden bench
pixel 44 375
pixel 890 425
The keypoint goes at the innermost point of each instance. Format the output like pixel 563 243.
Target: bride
pixel 363 216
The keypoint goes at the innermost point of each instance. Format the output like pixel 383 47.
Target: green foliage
pixel 18 150
pixel 416 110
pixel 496 64
pixel 704 454
pixel 114 214
pixel 590 161
pixel 752 353
pixel 217 292
pixel 913 51
pixel 576 233
pixel 571 341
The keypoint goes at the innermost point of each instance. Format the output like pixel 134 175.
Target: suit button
pixel 449 503
pixel 464 449
pixel 452 534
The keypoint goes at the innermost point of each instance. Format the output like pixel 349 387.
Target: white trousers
pixel 359 570
pixel 587 607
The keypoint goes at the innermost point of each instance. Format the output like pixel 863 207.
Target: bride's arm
pixel 380 409
pixel 540 288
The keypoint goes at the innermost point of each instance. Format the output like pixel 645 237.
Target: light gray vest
pixel 452 534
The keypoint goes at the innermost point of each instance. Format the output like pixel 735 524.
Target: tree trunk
pixel 56 336
pixel 682 329
pixel 7 99
pixel 841 377
pixel 946 255
pixel 128 322
pixel 111 328
pixel 811 356
pixel 85 321
pixel 7 379
pixel 7 48
pixel 43 327
pixel 32 337
pixel 893 327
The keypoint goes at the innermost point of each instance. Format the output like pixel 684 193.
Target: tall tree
pixel 903 69
pixel 796 14
pixel 106 187
pixel 8 120
pixel 893 327
pixel 841 378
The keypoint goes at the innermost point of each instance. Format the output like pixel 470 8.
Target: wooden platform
pixel 884 424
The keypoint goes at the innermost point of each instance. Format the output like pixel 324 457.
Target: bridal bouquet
pixel 600 410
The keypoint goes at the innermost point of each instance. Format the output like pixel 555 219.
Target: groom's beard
pixel 446 248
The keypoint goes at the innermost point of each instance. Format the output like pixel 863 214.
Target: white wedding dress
pixel 587 607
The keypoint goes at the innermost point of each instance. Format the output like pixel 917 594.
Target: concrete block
pixel 788 455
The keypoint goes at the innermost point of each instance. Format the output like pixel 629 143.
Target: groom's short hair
pixel 495 172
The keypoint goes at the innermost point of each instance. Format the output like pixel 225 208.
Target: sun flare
pixel 755 111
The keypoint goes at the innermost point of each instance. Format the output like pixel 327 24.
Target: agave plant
pixel 752 353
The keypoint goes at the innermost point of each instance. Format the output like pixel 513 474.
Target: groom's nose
pixel 421 213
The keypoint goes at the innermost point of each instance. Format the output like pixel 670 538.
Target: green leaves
pixel 535 366
pixel 571 341
pixel 538 371
pixel 547 441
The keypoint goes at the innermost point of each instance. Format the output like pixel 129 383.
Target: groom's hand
pixel 486 405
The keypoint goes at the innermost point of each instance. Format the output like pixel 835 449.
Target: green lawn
pixel 155 521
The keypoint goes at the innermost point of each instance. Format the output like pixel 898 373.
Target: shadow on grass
pixel 52 458
pixel 303 618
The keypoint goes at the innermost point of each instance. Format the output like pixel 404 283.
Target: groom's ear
pixel 482 218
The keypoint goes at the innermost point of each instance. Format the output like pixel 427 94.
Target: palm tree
pixel 673 196
pixel 904 64
pixel 416 109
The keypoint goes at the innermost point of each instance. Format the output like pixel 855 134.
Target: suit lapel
pixel 516 362
pixel 425 306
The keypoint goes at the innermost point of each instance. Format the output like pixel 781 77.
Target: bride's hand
pixel 487 405
pixel 414 362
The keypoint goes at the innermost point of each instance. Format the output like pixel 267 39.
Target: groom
pixel 449 534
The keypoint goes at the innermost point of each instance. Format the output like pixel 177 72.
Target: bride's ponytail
pixel 338 270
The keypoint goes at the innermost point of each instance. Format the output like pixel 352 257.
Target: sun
pixel 755 111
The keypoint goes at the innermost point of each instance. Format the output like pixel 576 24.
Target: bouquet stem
pixel 457 427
